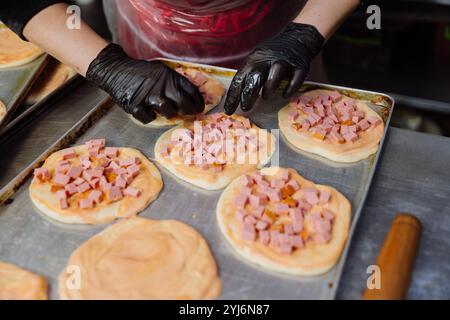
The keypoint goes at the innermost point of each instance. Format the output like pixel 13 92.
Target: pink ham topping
pixel 215 140
pixel 331 117
pixel 102 175
pixel 273 211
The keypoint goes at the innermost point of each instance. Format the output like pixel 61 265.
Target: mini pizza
pixel 95 184
pixel 54 75
pixel 14 51
pixel 280 221
pixel 20 284
pixel 211 89
pixel 214 149
pixel 332 125
pixel 141 259
pixel 2 111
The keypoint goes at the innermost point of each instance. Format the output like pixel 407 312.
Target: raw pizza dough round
pixel 19 284
pixel 313 259
pixel 2 111
pixel 54 75
pixel 214 88
pixel 366 145
pixel 143 259
pixel 149 181
pixel 14 51
pixel 208 179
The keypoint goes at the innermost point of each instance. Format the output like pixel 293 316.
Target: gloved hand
pixel 144 88
pixel 284 57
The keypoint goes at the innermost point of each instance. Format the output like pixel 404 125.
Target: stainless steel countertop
pixel 414 176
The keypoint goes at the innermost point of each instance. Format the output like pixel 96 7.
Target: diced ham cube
pixel 363 124
pixel 285 248
pixel 94 183
pixel 79 181
pixel 281 208
pixel 324 196
pixel 71 188
pixel 249 232
pixel 86 203
pixel 277 183
pixel 351 137
pixel 297 242
pixel 111 152
pixel 240 215
pixel 94 152
pixel 274 195
pixel 258 200
pixel 84 187
pixel 262 225
pixel 241 201
pixel 258 211
pixel 246 191
pixel 274 241
pixel 246 181
pixel 69 154
pixel 115 194
pixel 328 215
pixel 257 177
pixel 126 163
pixel 121 183
pixel 62 167
pixel 288 229
pixel 336 137
pixel 129 179
pixel 310 195
pixel 96 143
pixel 250 219
pixel 322 238
pixel 132 192
pixel 74 172
pixel 95 196
pixel 264 237
pixel 304 205
pixel 97 172
pixel 335 96
pixel 293 184
pixel 86 163
pixel 61 180
pixel 133 170
pixel 293 115
pixel 374 121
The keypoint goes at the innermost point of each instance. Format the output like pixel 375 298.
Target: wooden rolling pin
pixel 396 259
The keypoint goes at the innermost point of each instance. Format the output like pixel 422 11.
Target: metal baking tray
pixel 15 82
pixel 32 241
pixel 25 114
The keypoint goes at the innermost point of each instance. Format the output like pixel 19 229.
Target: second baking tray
pixel 44 246
pixel 15 82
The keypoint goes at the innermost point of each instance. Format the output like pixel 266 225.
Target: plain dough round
pixel 14 51
pixel 314 259
pixel 214 87
pixel 149 181
pixel 19 284
pixel 366 145
pixel 54 75
pixel 143 259
pixel 207 179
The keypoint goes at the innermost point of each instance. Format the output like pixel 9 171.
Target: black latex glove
pixel 144 88
pixel 284 57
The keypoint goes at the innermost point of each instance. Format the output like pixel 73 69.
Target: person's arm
pixel 141 88
pixel 76 48
pixel 326 16
pixel 288 55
